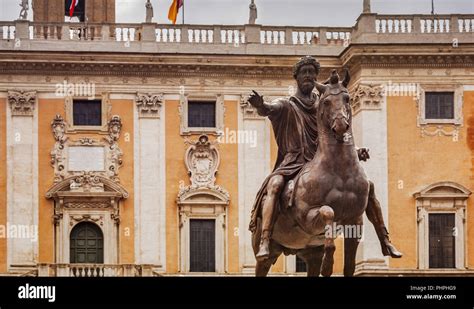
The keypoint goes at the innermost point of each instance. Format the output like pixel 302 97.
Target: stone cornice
pixel 432 61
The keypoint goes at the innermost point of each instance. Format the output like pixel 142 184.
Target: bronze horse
pixel 331 188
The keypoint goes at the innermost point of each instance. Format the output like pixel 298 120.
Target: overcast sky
pixel 270 12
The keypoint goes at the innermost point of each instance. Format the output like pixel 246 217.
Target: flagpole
pixel 183 12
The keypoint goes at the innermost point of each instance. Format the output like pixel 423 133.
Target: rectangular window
pixel 441 240
pixel 87 112
pixel 202 114
pixel 300 265
pixel 202 245
pixel 439 105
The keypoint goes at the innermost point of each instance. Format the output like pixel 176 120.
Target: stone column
pixel 22 180
pixel 149 160
pixel 254 166
pixel 370 131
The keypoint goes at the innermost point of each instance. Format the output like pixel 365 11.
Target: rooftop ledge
pixel 235 39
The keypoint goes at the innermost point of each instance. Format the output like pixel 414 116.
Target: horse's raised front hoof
pixel 328 262
pixel 389 250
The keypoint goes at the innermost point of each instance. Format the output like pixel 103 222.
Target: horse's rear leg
pixel 327 216
pixel 351 242
pixel 313 259
pixel 263 266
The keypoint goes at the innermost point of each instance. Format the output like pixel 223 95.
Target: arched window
pixel 87 244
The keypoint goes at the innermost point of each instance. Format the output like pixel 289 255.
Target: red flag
pixel 72 7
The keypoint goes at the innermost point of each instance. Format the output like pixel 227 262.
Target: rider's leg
pixel 274 187
pixel 374 213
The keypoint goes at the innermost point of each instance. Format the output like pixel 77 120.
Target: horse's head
pixel 334 111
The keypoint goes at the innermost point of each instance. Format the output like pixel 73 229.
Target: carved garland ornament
pixel 202 161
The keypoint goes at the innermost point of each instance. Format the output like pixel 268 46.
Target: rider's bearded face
pixel 306 78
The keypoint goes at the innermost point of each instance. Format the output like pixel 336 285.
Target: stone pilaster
pixel 150 181
pixel 22 180
pixel 370 131
pixel 254 166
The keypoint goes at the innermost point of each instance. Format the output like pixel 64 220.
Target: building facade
pixel 130 149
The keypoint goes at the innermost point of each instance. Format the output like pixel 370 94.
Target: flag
pixel 72 7
pixel 174 9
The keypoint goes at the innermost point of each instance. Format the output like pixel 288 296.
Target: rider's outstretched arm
pixel 263 108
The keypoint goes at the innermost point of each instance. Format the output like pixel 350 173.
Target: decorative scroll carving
pixel 74 219
pixel 58 158
pixel 202 161
pixel 149 105
pixel 427 130
pixel 60 151
pixel 87 182
pixel 366 97
pixel 114 127
pixel 22 103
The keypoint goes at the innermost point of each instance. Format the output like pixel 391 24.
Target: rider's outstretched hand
pixel 363 154
pixel 255 99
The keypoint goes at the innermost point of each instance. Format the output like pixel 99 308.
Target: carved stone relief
pixel 149 105
pixel 60 154
pixel 202 161
pixel 22 103
pixel 366 97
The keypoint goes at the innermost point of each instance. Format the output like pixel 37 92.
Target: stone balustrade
pixel 94 270
pixel 250 39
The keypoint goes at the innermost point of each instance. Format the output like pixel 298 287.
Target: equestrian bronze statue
pixel 318 181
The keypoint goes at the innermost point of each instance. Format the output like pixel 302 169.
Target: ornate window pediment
pixel 442 198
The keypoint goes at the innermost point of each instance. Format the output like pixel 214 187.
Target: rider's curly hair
pixel 304 61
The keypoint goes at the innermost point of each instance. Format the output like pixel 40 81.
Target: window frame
pixel 442 198
pixel 183 112
pixel 69 106
pixel 458 92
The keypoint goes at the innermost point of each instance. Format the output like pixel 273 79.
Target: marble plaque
pixel 86 158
